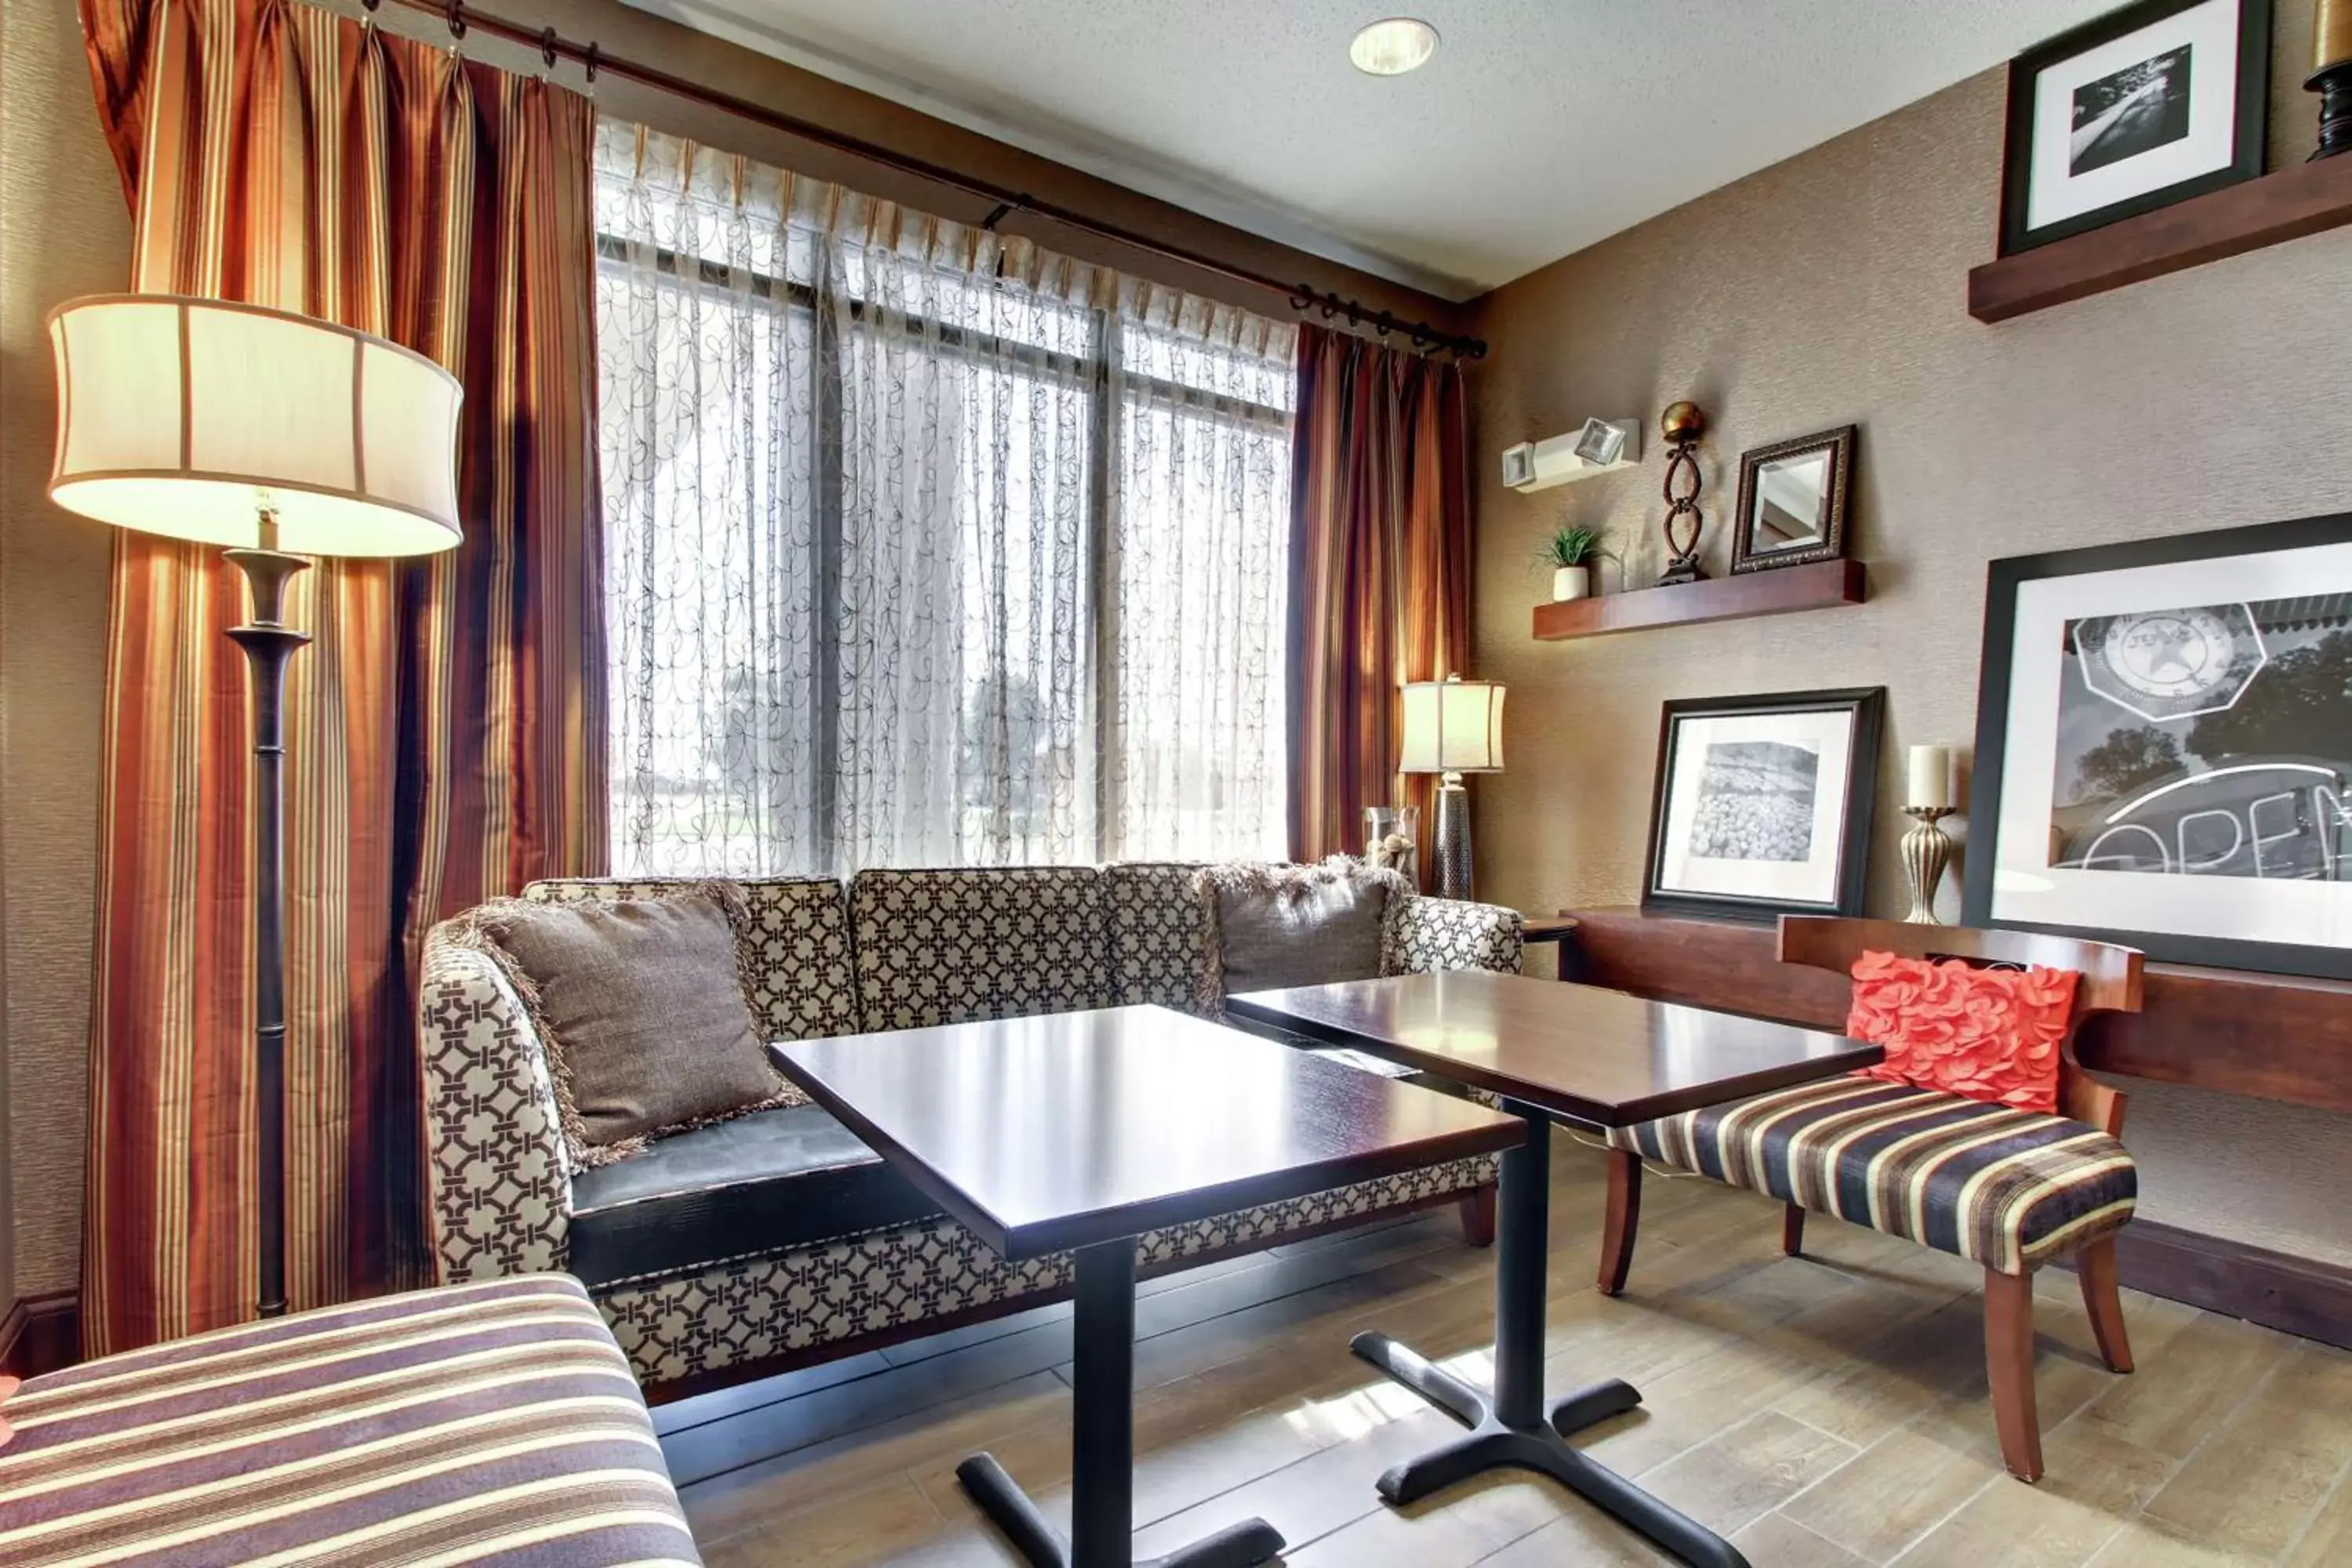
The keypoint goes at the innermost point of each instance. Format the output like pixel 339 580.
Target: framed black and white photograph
pixel 1794 497
pixel 2164 747
pixel 1762 806
pixel 2152 104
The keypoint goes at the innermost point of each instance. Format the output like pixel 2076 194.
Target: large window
pixel 923 550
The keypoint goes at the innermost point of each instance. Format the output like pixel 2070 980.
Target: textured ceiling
pixel 1541 127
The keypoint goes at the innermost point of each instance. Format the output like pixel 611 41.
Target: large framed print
pixel 2164 747
pixel 1762 804
pixel 2154 103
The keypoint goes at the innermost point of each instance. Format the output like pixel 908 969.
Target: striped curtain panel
pixel 1380 565
pixel 445 728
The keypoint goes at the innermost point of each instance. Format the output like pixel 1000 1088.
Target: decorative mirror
pixel 1792 502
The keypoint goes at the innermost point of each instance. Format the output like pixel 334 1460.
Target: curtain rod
pixel 551 47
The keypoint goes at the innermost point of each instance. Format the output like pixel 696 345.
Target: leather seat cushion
pixel 758 1183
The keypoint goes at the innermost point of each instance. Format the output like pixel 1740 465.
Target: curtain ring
pixel 595 50
pixel 457 18
pixel 547 45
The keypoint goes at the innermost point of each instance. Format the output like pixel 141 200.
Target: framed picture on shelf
pixel 1792 502
pixel 1762 804
pixel 2164 747
pixel 2154 103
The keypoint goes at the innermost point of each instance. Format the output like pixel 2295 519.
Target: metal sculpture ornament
pixel 1682 425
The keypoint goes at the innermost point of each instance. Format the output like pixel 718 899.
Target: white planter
pixel 1571 583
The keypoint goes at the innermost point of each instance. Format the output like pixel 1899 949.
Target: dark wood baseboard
pixel 2295 1295
pixel 40 1334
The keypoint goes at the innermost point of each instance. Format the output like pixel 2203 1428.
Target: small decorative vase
pixel 1392 839
pixel 1571 583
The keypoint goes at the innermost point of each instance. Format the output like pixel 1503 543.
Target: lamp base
pixel 269 643
pixel 1453 861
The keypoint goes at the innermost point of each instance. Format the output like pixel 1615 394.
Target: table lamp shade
pixel 1451 727
pixel 189 418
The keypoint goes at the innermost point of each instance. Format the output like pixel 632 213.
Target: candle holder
pixel 2334 86
pixel 2331 78
pixel 1926 853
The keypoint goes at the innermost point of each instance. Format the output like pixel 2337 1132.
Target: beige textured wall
pixel 64 231
pixel 1831 288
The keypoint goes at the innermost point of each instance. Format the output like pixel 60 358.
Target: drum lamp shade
pixel 1451 727
pixel 192 418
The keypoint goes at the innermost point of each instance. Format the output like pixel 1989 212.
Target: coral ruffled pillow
pixel 1989 1033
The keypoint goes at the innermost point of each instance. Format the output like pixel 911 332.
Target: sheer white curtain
pixel 1199 575
pixel 925 548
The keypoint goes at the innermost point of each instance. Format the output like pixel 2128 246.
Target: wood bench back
pixel 2110 980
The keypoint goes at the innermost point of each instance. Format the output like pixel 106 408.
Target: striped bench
pixel 490 1422
pixel 2011 1190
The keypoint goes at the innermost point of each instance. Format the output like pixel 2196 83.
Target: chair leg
pixel 1477 1211
pixel 1792 1231
pixel 1624 1220
pixel 2095 1266
pixel 2009 1367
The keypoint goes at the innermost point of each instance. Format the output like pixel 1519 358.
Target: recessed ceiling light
pixel 1393 46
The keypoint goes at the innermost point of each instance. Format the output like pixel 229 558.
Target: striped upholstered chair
pixel 2009 1189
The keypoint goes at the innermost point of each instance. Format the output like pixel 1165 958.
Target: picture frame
pixel 1794 497
pixel 2148 105
pixel 2164 747
pixel 1762 806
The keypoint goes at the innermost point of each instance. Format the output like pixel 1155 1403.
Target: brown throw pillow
pixel 1275 926
pixel 641 1004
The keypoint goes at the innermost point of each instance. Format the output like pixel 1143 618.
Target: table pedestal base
pixel 1489 1444
pixel 1009 1509
pixel 1507 1429
pixel 1102 1435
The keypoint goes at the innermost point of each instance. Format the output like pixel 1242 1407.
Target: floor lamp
pixel 1451 727
pixel 280 438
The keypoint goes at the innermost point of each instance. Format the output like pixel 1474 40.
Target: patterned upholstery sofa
pixel 778 1239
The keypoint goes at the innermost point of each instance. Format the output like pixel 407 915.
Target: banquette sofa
pixel 778 1239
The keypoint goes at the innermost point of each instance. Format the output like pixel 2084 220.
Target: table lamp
pixel 1452 727
pixel 278 436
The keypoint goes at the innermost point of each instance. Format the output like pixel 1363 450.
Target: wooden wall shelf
pixel 2287 204
pixel 1776 593
pixel 2274 1037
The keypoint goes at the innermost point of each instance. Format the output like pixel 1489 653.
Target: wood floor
pixel 1824 1411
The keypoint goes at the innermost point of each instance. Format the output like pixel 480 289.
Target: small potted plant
pixel 1570 553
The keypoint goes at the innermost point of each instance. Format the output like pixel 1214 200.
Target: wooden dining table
pixel 1080 1131
pixel 1570 1053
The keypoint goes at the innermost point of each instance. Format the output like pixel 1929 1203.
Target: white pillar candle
pixel 1931 776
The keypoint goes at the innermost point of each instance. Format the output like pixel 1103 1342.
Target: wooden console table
pixel 2272 1037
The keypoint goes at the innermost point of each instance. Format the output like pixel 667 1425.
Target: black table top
pixel 1059 1132
pixel 1598 1056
